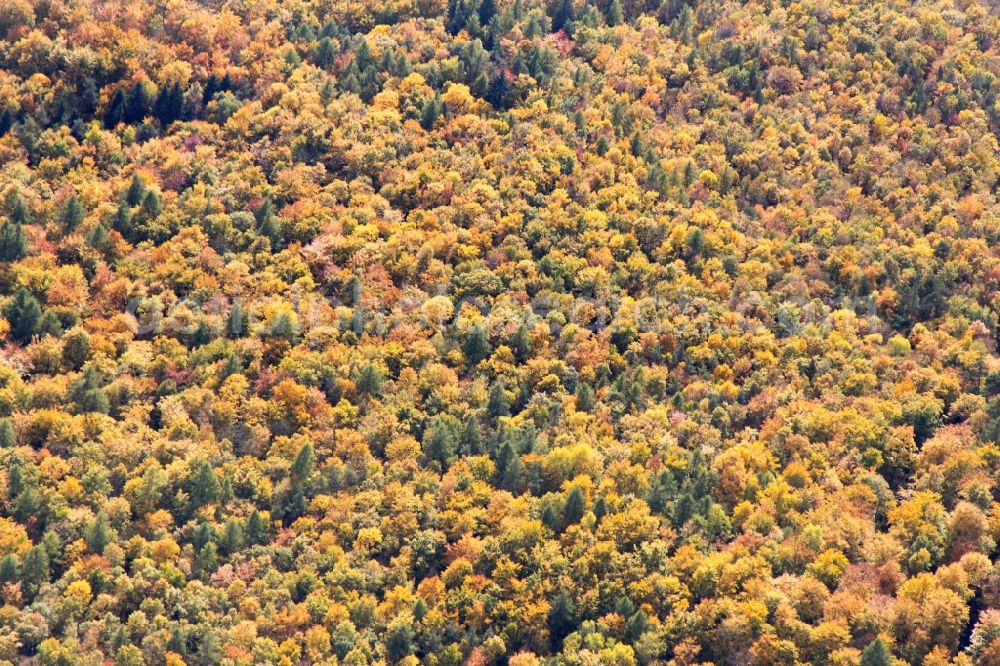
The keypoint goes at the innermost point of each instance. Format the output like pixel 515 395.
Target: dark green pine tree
pixel 358 320
pixel 232 537
pixel 636 625
pixel 476 346
pixel 352 291
pixel 662 489
pixel 136 191
pixel 480 85
pixel 520 344
pixel 876 654
pixel 15 481
pixel 615 15
pixel 13 242
pixel 19 213
pixel 505 458
pixel 152 204
pixel 370 380
pixel 440 439
pixel 203 486
pixel 72 214
pixel 585 397
pixel 121 220
pixel 169 104
pixel 7 438
pixel 562 618
pixel 576 504
pixel 501 92
pixel 202 535
pixel 23 313
pixel 98 534
pixel 6 121
pixel 238 324
pixel 419 607
pixel 177 643
pixel 399 642
pixel 206 559
pixel 115 113
pixel 471 440
pixel 430 112
pixel 50 325
pixel 487 10
pixel 27 504
pixel 10 569
pixel 550 518
pixel 137 105
pixel 98 238
pixel 457 16
pixel 267 225
pixel 35 570
pixel 511 473
pixel 88 393
pixel 292 501
pixel 325 53
pixel 497 404
pixel 303 465
pixel 256 530
pixel 231 366
pixel 600 508
pixel 562 15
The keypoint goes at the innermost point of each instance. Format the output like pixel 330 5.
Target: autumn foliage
pixel 499 332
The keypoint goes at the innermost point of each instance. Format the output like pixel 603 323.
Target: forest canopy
pixel 489 332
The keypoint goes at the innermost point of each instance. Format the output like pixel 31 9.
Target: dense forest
pixel 488 332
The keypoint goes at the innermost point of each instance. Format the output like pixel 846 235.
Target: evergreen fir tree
pixel 238 323
pixel 138 103
pixel 203 486
pixel 7 438
pixel 487 10
pixel 121 220
pixel 615 15
pixel 152 205
pixel 497 404
pixel 325 53
pixel 72 214
pixel 562 618
pixel 585 397
pixel 575 506
pixel 50 325
pixel 562 15
pixel 256 530
pixel 13 242
pixel 10 569
pixel 303 465
pixel 136 191
pixel 19 213
pixel 23 313
pixel 430 112
pixel 98 238
pixel 876 654
pixel 476 346
pixel 232 537
pixel 98 534
pixel 471 440
pixel 35 570
pixel 6 121
pixel 369 381
pixel 501 92
pixel 115 113
pixel 520 344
